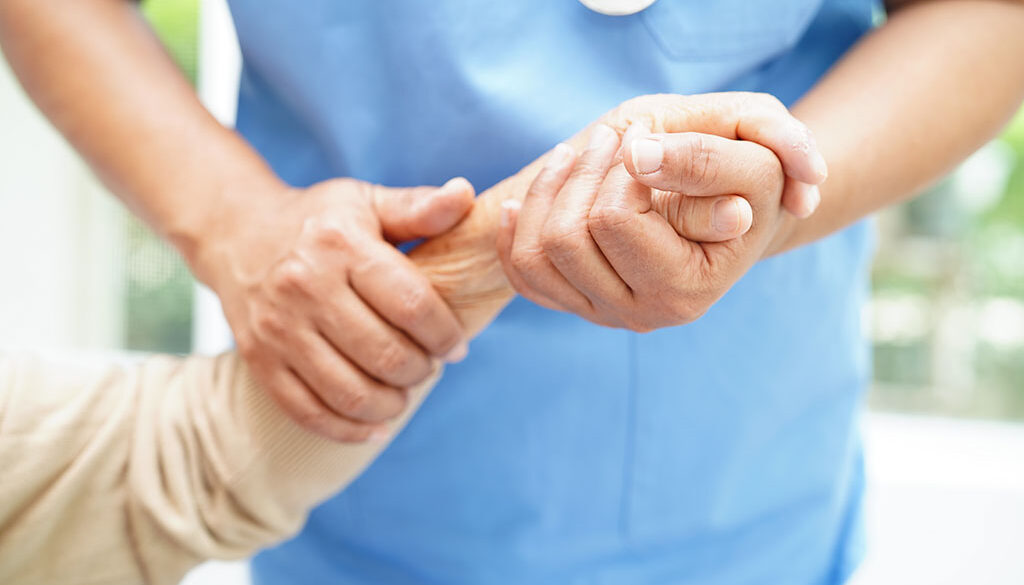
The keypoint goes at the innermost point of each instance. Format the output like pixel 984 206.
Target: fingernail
pixel 457 353
pixel 725 216
pixel 507 207
pixel 453 185
pixel 813 200
pixel 647 155
pixel 559 156
pixel 600 136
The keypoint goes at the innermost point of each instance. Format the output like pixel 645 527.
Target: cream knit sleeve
pixel 133 474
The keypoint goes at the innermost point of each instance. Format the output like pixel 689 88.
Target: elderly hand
pixel 655 240
pixel 333 320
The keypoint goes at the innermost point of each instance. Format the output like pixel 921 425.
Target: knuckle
pixel 563 237
pixel 391 358
pixel 609 216
pixel 588 173
pixel 292 276
pixel 415 305
pixel 676 208
pixel 701 162
pixel 352 400
pixel 268 324
pixel 313 419
pixel 326 233
pixel 525 260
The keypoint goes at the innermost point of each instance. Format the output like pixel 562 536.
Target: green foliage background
pixel 158 286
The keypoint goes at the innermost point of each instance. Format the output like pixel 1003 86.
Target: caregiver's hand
pixel 332 319
pixel 756 117
pixel 592 240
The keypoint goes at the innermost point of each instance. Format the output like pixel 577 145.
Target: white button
pixel 617 7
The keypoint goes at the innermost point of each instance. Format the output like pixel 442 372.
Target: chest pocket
pixel 700 30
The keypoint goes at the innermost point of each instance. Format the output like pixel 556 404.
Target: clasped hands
pixel 642 221
pixel 649 230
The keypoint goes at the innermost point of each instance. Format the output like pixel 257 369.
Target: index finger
pixel 393 287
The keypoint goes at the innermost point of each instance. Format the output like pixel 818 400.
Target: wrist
pixel 204 234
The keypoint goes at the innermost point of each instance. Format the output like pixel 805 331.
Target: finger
pixel 528 261
pixel 370 343
pixel 566 235
pixel 800 199
pixel 701 165
pixel 299 401
pixel 623 215
pixel 506 234
pixel 756 117
pixel 342 387
pixel 421 212
pixel 389 282
pixel 704 219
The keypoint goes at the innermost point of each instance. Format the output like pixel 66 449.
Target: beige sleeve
pixel 134 474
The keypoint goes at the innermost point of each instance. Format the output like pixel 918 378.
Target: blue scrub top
pixel 721 452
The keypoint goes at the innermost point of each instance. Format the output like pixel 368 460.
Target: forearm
pixel 908 103
pixel 97 71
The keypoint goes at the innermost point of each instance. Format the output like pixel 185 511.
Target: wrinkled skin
pixel 672 280
pixel 466 268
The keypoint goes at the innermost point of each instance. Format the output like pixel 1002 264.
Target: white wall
pixel 58 234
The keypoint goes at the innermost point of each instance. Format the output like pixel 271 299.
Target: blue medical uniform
pixel 721 452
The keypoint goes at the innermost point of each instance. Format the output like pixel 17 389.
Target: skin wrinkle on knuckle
pixel 415 305
pixel 351 401
pixel 392 358
pixel 564 239
pixel 703 162
pixel 526 261
pixel 677 208
pixel 316 419
pixel 609 216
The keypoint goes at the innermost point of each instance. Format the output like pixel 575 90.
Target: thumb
pixel 422 212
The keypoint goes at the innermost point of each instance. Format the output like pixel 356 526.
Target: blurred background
pixel 946 430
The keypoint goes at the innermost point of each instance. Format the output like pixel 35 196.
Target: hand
pixel 593 240
pixel 332 319
pixel 756 117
